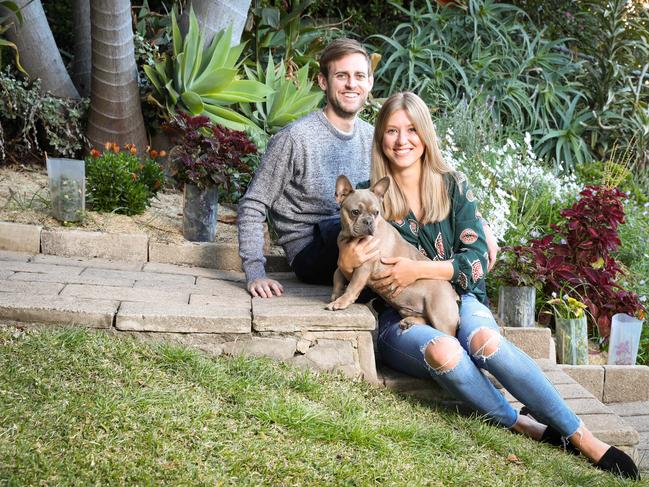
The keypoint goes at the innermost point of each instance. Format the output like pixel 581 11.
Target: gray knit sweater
pixel 296 181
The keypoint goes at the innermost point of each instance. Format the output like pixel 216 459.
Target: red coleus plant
pixel 579 255
pixel 207 154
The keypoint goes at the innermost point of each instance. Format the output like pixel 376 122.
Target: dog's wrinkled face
pixel 360 209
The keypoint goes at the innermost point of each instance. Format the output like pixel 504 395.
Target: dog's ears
pixel 343 188
pixel 381 186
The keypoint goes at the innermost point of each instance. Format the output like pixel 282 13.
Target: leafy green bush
pixel 119 181
pixel 32 122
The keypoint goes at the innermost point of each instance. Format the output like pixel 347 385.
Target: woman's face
pixel 401 144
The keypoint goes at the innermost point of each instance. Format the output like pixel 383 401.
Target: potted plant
pixel 517 276
pixel 205 158
pixel 571 329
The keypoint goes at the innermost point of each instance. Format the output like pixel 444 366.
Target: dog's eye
pixel 355 212
pixel 376 212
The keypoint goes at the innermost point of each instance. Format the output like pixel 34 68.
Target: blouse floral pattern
pixel 458 238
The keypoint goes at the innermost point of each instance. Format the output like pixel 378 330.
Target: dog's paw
pixel 405 324
pixel 337 304
pixel 335 296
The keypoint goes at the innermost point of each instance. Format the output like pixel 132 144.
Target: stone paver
pixel 203 254
pixel 132 247
pixel 18 256
pixel 88 262
pixel 589 376
pixel 32 308
pixel 182 318
pixel 268 315
pixel 19 237
pixel 9 265
pixel 124 294
pixel 193 271
pixel 626 383
pixel 227 300
pixel 70 278
pixel 26 287
pixel 533 341
pixel 137 276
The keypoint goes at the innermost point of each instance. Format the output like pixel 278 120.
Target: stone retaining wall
pixel 136 247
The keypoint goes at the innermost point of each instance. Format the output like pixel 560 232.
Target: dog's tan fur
pixel 432 301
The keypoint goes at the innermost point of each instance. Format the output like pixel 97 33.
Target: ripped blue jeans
pixel 403 350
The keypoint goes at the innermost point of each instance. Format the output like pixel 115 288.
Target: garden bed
pixel 25 198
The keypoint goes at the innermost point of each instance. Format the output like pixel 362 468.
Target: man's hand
pixel 401 274
pixel 356 252
pixel 265 288
pixel 492 244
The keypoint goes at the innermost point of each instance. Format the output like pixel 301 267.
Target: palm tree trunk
pixel 115 110
pixel 216 15
pixel 82 64
pixel 38 52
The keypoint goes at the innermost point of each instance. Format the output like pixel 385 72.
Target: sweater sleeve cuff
pixel 255 271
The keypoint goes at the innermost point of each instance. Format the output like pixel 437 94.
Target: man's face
pixel 347 85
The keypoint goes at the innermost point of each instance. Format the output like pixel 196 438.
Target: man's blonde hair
pixel 434 190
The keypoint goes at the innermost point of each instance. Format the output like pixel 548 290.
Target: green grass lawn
pixel 79 408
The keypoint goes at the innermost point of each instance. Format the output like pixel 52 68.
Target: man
pixel 296 178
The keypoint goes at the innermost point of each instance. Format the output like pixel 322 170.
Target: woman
pixel 433 208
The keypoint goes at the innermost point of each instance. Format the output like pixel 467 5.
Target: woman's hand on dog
pixel 401 273
pixel 264 288
pixel 355 253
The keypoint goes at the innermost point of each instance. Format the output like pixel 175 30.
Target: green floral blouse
pixel 458 238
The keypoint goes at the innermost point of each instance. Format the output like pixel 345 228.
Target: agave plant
pixel 291 99
pixel 204 81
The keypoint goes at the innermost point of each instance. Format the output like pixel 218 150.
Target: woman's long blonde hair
pixel 434 191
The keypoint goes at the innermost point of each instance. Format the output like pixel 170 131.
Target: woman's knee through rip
pixel 484 342
pixel 443 354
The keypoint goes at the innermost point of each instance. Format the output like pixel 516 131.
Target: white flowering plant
pixel 519 197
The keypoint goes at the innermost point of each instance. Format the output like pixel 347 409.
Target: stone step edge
pixel 22 237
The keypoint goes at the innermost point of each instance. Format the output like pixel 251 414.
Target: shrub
pixel 580 254
pixel 206 154
pixel 119 181
pixel 32 122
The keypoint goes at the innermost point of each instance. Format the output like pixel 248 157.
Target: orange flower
pixel 133 150
pixel 108 145
pixel 163 153
pixel 153 153
pixel 95 153
pixel 115 148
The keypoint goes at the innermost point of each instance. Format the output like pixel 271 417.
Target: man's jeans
pixel 403 350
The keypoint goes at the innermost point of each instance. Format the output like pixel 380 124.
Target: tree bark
pixel 115 109
pixel 38 52
pixel 82 63
pixel 216 15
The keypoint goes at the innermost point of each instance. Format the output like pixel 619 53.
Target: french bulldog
pixel 425 301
